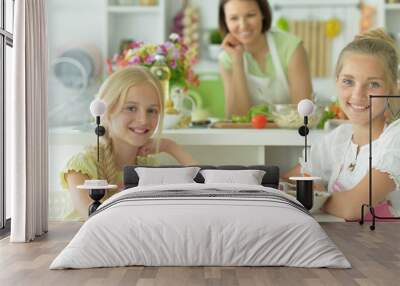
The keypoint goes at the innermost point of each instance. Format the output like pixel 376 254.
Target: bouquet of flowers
pixel 179 57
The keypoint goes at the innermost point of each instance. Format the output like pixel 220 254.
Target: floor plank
pixel 374 255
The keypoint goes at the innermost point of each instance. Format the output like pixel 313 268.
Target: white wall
pixel 73 24
pixel 76 22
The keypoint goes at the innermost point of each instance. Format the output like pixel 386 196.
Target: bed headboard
pixel 270 179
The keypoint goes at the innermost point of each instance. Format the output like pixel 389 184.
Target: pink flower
pixel 175 53
pixel 135 60
pixel 179 57
pixel 193 61
pixel 162 49
pixel 173 64
pixel 167 45
pixel 149 59
pixel 122 63
pixel 185 48
pixel 135 44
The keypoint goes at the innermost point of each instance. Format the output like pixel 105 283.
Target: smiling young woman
pixel 259 65
pixel 366 66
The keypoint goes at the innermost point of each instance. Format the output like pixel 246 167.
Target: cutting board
pixel 228 124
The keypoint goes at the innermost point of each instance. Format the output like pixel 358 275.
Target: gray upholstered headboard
pixel 270 179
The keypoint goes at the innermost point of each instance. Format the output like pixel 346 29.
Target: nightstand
pixel 97 190
pixel 304 190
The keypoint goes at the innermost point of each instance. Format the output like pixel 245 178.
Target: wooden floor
pixel 374 255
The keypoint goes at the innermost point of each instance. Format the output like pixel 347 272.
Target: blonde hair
pixel 378 44
pixel 114 92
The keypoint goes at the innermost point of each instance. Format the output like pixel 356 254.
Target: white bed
pixel 203 225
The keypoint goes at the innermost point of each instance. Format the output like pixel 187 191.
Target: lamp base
pixel 304 190
pixel 96 195
pixel 305 193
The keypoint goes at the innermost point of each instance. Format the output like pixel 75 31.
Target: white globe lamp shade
pixel 305 107
pixel 97 107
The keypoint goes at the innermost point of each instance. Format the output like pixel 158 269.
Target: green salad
pixel 253 111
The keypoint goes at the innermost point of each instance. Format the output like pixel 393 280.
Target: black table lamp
pixel 304 185
pixel 305 108
pixel 97 187
pixel 97 109
pixel 369 205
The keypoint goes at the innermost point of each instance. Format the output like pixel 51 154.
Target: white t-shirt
pixel 331 157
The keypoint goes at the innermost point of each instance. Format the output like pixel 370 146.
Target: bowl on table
pixel 171 120
pixel 287 116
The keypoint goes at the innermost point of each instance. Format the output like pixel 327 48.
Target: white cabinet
pixel 389 17
pixel 129 20
pixel 103 24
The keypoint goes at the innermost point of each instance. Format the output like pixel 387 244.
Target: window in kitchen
pixel 6 44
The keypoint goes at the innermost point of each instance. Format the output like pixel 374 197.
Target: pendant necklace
pixel 352 165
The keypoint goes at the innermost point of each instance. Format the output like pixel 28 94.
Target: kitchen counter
pixel 240 137
pixel 281 147
pixel 200 136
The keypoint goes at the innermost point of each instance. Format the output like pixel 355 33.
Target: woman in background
pixel 366 66
pixel 259 65
pixel 134 110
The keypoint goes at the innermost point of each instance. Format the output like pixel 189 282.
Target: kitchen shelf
pixel 312 3
pixel 133 22
pixel 394 6
pixel 134 9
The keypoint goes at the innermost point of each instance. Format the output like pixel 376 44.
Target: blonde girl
pixel 134 110
pixel 366 66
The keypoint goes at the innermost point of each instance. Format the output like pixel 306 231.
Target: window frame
pixel 6 39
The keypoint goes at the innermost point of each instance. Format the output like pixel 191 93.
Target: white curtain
pixel 26 117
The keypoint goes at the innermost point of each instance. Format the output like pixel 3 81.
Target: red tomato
pixel 259 121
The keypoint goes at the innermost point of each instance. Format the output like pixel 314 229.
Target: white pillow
pixel 164 176
pixel 248 177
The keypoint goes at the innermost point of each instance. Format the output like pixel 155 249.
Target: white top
pixel 331 157
pixel 266 89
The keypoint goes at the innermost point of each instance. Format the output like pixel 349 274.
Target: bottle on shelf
pixel 161 70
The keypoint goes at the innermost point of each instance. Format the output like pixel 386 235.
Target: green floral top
pixel 85 163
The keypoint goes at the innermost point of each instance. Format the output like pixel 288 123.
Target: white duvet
pixel 183 231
